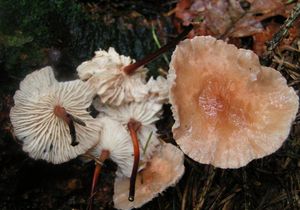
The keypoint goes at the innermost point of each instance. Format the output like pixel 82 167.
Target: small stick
pixel 284 29
pixel 133 126
pixel 130 69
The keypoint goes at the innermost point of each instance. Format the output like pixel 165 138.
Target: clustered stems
pixel 103 156
pixel 133 126
pixel 130 69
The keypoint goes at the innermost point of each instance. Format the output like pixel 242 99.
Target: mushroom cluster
pixel 228 110
pixel 52 122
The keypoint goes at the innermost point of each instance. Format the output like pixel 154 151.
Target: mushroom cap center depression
pixel 221 104
pixel 218 104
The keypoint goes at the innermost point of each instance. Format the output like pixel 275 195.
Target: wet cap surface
pixel 228 108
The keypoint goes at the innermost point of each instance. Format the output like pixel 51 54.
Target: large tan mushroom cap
pixel 44 135
pixel 164 170
pixel 228 109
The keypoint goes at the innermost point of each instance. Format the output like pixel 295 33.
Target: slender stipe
pixel 133 127
pixel 130 69
pixel 69 120
pixel 103 156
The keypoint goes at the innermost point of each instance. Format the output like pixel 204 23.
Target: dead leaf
pixel 259 39
pixel 227 18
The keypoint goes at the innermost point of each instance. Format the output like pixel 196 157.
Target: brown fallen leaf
pixel 259 39
pixel 227 18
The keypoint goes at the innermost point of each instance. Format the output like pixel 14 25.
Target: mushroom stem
pixel 69 120
pixel 103 156
pixel 133 126
pixel 130 69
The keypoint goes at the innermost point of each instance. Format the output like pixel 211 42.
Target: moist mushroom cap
pixel 163 170
pixel 228 108
pixel 43 134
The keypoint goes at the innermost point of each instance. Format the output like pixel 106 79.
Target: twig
pixel 284 29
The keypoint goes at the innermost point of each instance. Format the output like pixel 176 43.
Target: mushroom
pixel 163 170
pixel 50 117
pixel 116 77
pixel 156 90
pixel 104 72
pixel 145 114
pixel 119 147
pixel 139 119
pixel 115 139
pixel 115 143
pixel 228 108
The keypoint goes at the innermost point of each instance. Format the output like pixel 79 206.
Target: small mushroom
pixel 145 113
pixel 139 119
pixel 164 170
pixel 105 73
pixel 228 108
pixel 156 90
pixel 116 77
pixel 115 143
pixel 115 139
pixel 50 117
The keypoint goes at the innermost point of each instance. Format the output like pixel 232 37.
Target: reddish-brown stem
pixel 130 69
pixel 61 113
pixel 69 120
pixel 133 127
pixel 103 156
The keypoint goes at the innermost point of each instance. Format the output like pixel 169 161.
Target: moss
pixel 30 29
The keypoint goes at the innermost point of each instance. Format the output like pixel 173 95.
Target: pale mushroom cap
pixel 104 73
pixel 43 134
pixel 103 61
pixel 164 170
pixel 147 113
pixel 156 90
pixel 228 109
pixel 116 139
